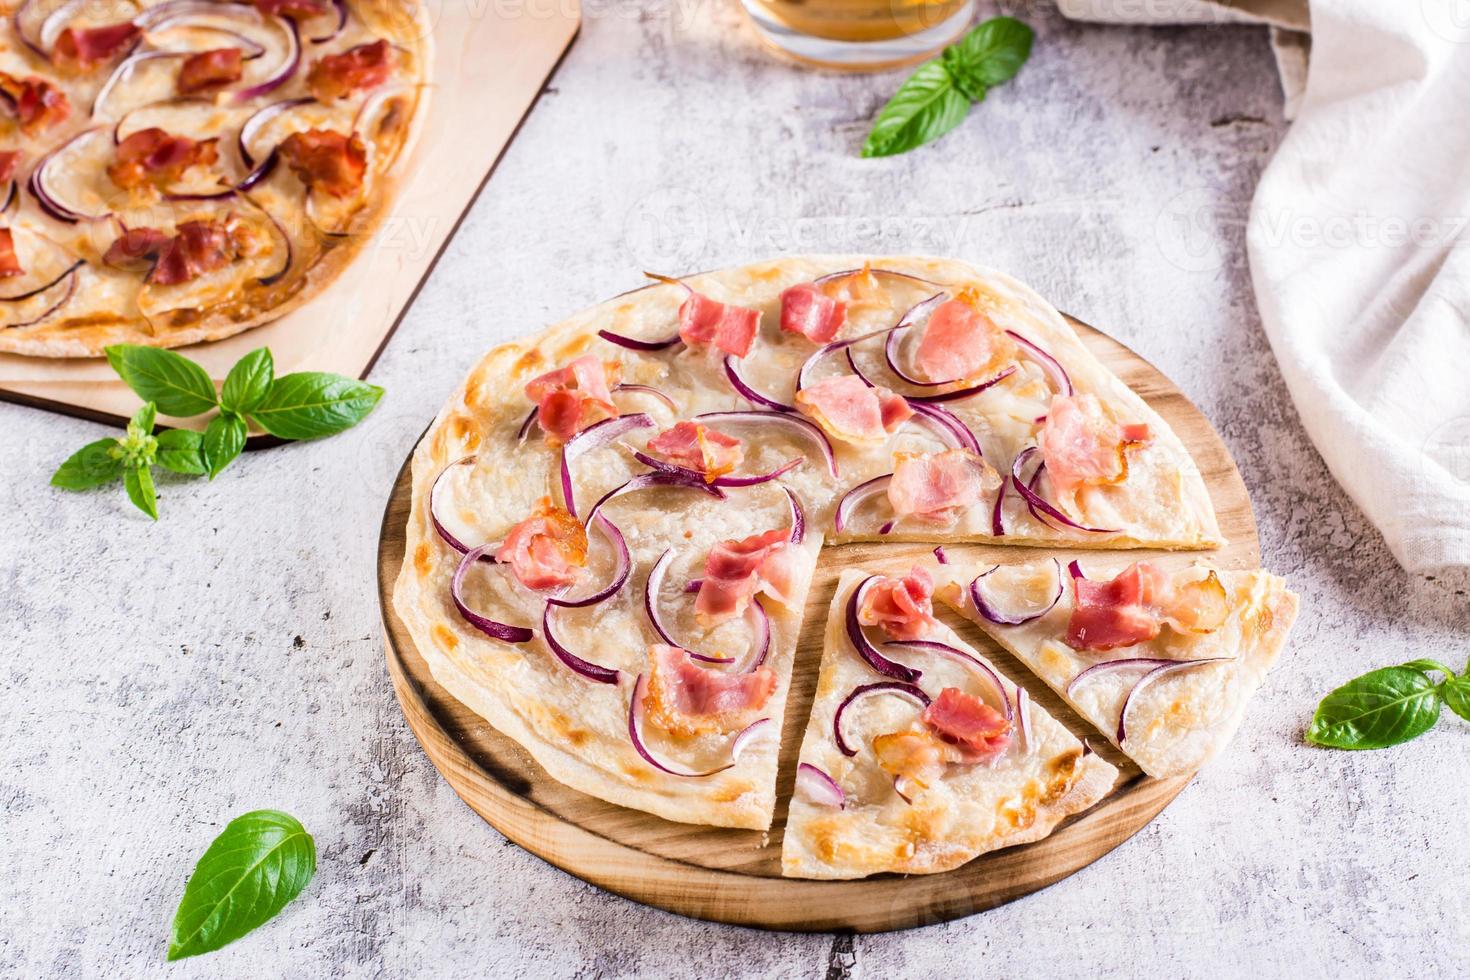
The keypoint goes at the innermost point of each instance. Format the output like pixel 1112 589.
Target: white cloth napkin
pixel 1359 243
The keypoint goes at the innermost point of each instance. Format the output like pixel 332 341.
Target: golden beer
pixel 859 34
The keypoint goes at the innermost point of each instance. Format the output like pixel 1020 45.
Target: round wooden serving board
pixel 734 876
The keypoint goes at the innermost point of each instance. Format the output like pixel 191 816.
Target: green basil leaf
pixel 248 381
pixel 93 465
pixel 141 424
pixel 312 404
pixel 139 481
pixel 925 107
pixel 1456 694
pixel 991 52
pixel 224 437
pixel 1428 665
pixel 178 385
pixel 181 450
pixel 1383 707
pixel 258 863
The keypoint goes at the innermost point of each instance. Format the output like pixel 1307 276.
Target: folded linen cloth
pixel 1359 245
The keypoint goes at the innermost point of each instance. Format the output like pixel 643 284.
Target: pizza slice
pixel 919 755
pixel 1162 662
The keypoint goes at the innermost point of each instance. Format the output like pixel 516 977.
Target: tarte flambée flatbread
pixel 499 464
pixel 1042 776
pixel 110 245
pixel 1181 716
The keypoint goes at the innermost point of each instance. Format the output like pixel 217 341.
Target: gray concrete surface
pixel 158 680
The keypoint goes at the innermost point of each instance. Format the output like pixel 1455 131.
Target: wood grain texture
pixel 733 876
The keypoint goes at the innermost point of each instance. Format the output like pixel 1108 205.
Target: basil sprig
pixel 938 95
pixel 1389 706
pixel 258 863
pixel 303 405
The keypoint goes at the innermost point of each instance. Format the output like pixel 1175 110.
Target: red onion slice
pixel 491 628
pixel 1035 499
pixel 794 423
pixel 1124 663
pixel 993 609
pixel 866 650
pixel 976 389
pixel 12 192
pixel 631 343
pixel 651 590
pixel 644 480
pixel 595 436
pixel 940 556
pixel 284 72
pixel 803 374
pixel 55 22
pixel 259 119
pixel 1147 679
pixel 754 731
pixel 449 537
pixel 71 290
pixel 1075 569
pixel 909 692
pixel 591 671
pixel 857 496
pixel 38 185
pixel 125 68
pixel 719 481
pixel 1023 708
pixel 1049 364
pixel 41 289
pixel 818 787
pixel 895 338
pixel 976 666
pixel 947 424
pixel 149 19
pixel 621 569
pixel 997 513
pixel 745 391
pixel 650 391
pixel 798 516
pixel 18 23
pixel 341 6
pixel 877 272
pixel 529 421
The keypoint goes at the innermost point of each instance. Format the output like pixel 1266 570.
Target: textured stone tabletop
pixel 159 680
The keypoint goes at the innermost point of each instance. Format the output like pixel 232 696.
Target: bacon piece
pixel 210 70
pixel 937 486
pixel 545 550
pixel 849 410
pixel 196 248
pixel 808 311
pixel 696 446
pixel 80 49
pixel 300 9
pixel 1083 445
pixel 903 607
pixel 915 759
pixel 960 342
pixel 37 103
pixel 856 289
pixel 336 76
pixel 9 164
pixel 686 699
pixel 968 723
pixel 1119 612
pixel 732 329
pixel 326 160
pixel 9 261
pixel 137 248
pixel 573 397
pixel 735 571
pixel 153 156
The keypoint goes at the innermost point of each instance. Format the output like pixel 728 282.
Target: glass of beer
pixel 859 35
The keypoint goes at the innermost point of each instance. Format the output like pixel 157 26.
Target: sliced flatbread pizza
pixel 1162 662
pixel 919 755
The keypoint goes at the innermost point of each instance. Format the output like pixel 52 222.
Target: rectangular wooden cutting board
pixel 490 63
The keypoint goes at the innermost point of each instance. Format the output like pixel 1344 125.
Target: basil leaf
pixel 93 465
pixel 178 385
pixel 312 404
pixel 139 481
pixel 224 437
pixel 925 107
pixel 258 863
pixel 141 424
pixel 1456 694
pixel 180 450
pixel 248 381
pixel 1383 707
pixel 990 53
pixel 1427 665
